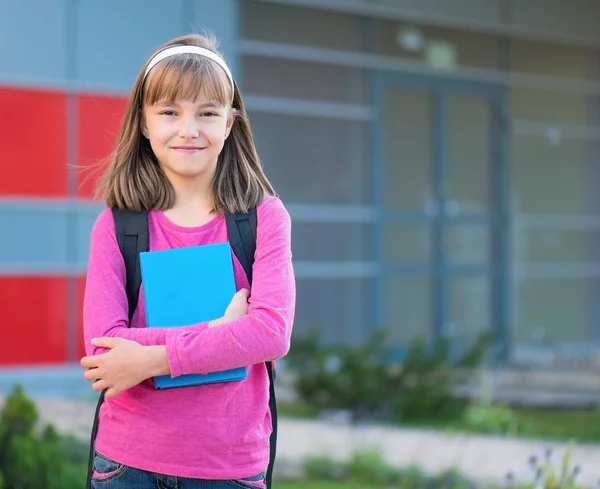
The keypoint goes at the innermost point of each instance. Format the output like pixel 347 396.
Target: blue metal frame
pixel 73 335
pixel 439 269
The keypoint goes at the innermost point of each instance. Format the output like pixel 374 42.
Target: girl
pixel 186 154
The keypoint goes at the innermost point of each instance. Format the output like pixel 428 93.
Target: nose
pixel 189 127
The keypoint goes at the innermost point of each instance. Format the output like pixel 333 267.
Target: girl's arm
pixel 264 333
pixel 105 308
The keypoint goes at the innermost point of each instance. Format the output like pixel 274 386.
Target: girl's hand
pixel 238 306
pixel 126 364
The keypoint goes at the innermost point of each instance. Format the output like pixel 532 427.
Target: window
pixel 331 241
pixel 340 309
pixel 302 80
pixel 304 27
pixel 312 160
pixel 469 49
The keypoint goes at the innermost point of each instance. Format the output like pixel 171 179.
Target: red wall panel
pixel 33 142
pixel 99 121
pixel 33 323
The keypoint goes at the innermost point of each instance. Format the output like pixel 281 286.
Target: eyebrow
pixel 201 106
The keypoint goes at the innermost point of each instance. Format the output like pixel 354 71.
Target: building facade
pixel 439 159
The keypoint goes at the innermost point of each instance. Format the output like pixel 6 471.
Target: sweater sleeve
pixel 264 333
pixel 105 307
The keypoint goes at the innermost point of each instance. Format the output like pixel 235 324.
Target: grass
pixel 578 425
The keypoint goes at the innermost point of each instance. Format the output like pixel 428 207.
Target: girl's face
pixel 187 137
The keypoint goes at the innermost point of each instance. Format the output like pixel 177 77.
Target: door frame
pixel 497 218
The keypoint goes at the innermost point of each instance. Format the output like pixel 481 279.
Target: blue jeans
pixel 112 475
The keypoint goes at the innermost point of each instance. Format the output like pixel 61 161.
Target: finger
pixel 244 292
pixel 100 385
pixel 92 374
pixel 111 392
pixel 90 361
pixel 106 342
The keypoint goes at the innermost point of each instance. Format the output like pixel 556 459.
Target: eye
pixel 209 114
pixel 167 113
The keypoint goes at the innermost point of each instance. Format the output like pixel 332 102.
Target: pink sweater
pixel 218 431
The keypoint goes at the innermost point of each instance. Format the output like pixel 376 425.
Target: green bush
pixel 324 469
pixel 412 476
pixel 488 418
pixel 365 380
pixel 369 469
pixel 34 459
pixel 452 479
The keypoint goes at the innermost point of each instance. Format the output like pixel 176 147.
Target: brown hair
pixel 134 179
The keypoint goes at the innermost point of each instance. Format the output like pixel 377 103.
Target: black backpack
pixel 133 238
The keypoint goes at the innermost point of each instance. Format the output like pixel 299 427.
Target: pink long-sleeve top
pixel 218 431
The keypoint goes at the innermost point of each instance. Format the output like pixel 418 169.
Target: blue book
pixel 185 286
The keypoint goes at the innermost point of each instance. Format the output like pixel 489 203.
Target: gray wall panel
pixel 115 38
pixel 221 18
pixel 565 21
pixel 478 10
pixel 86 216
pixel 33 41
pixel 108 41
pixel 33 236
pixel 578 19
pixel 45 236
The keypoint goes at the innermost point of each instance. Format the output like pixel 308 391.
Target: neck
pixel 193 201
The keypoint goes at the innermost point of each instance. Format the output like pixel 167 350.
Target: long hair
pixel 134 179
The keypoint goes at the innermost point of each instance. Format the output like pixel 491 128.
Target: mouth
pixel 188 149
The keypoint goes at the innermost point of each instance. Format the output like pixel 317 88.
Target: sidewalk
pixel 483 458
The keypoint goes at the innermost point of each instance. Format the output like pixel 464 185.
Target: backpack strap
pixel 273 438
pixel 241 230
pixel 131 228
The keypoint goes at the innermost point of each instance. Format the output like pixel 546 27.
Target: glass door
pixel 441 196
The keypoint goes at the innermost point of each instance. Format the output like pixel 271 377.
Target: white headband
pixel 175 50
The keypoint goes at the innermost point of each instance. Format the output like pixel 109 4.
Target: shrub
pixel 488 418
pixel 34 459
pixel 369 469
pixel 367 382
pixel 324 469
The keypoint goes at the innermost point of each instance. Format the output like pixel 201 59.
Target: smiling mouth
pixel 188 149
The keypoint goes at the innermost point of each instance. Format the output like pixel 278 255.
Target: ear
pixel 143 127
pixel 230 120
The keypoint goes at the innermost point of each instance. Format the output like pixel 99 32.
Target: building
pixel 439 159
